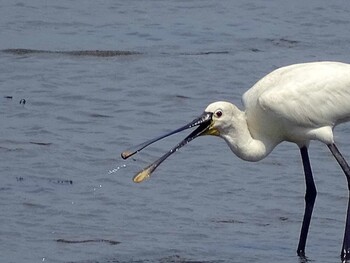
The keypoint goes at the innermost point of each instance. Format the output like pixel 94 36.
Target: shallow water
pixel 62 175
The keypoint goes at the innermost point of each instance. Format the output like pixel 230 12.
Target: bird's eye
pixel 218 114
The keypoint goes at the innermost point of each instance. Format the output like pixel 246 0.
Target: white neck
pixel 243 144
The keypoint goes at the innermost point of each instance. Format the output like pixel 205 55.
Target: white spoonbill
pixel 297 103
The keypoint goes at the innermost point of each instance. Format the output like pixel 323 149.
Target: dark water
pixel 67 196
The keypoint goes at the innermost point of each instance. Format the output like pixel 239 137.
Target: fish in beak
pixel 204 127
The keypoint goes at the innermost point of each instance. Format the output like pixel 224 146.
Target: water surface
pixel 62 175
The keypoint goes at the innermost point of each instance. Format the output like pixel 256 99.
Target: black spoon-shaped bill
pixel 146 172
pixel 203 122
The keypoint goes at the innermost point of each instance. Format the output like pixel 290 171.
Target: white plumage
pixel 297 103
pixel 301 96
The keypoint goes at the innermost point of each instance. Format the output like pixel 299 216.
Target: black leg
pixel 345 252
pixel 310 197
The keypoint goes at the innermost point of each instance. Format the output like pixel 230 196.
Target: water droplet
pixel 116 169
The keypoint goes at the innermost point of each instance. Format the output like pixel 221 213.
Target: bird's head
pixel 215 120
pixel 222 118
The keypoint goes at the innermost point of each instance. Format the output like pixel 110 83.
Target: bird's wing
pixel 308 95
